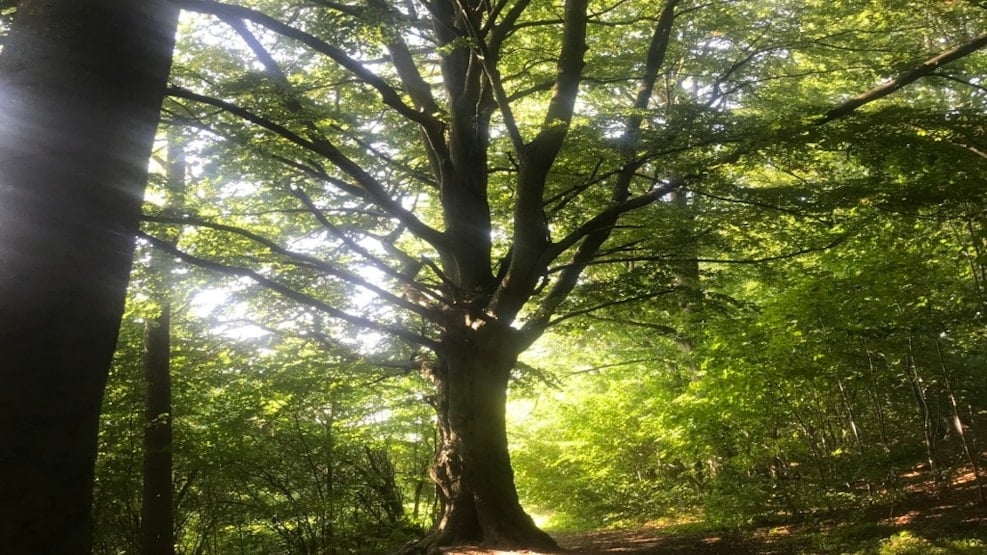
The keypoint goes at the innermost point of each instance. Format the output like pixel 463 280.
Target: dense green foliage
pixel 784 335
pixel 808 393
pixel 279 446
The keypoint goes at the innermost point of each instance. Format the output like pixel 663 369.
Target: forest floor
pixel 926 521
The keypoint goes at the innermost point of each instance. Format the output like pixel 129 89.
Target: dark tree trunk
pixel 157 516
pixel 157 522
pixel 81 83
pixel 472 469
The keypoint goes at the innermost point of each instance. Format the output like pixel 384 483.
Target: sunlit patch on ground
pixel 781 531
pixel 905 519
pixel 925 507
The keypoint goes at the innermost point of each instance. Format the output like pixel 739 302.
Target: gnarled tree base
pixel 440 541
pixel 472 470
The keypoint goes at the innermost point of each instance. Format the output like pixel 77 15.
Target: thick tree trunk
pixel 472 469
pixel 81 84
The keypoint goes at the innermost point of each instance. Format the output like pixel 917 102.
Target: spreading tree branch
pixel 627 300
pixel 339 350
pixel 599 367
pixel 420 93
pixel 706 260
pixel 536 160
pixel 355 246
pixel 923 69
pixel 595 232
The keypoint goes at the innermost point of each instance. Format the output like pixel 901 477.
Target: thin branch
pixel 499 29
pixel 604 220
pixel 783 256
pixel 632 259
pixel 661 329
pixel 339 7
pixel 533 23
pixel 357 248
pixel 717 93
pixel 760 204
pixel 324 148
pixel 566 196
pixel 391 162
pixel 310 168
pixel 627 300
pixel 289 293
pixel 611 365
pixel 338 349
pixel 497 36
pixel 488 57
pixel 275 73
pixel 539 87
pixel 958 80
pixel 229 107
pixel 389 96
pixel 315 171
pixel 297 259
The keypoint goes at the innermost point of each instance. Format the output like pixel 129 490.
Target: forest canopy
pixel 419 271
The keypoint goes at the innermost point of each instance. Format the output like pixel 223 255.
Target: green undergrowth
pixel 959 532
pixel 948 535
pixel 872 539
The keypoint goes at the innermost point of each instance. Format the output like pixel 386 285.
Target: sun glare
pixel 520 410
pixel 233 323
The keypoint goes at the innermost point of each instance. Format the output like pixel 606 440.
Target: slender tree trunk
pixel 688 278
pixel 157 521
pixel 922 402
pixel 81 84
pixel 876 399
pixel 687 273
pixel 157 508
pixel 851 420
pixel 958 425
pixel 472 469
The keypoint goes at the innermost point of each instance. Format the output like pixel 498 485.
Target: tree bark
pixel 157 507
pixel 81 84
pixel 157 521
pixel 472 468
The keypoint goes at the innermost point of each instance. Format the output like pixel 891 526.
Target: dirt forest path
pixel 924 510
pixel 652 540
pixel 637 541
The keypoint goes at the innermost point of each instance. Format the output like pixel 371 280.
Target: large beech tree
pixel 470 166
pixel 81 84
